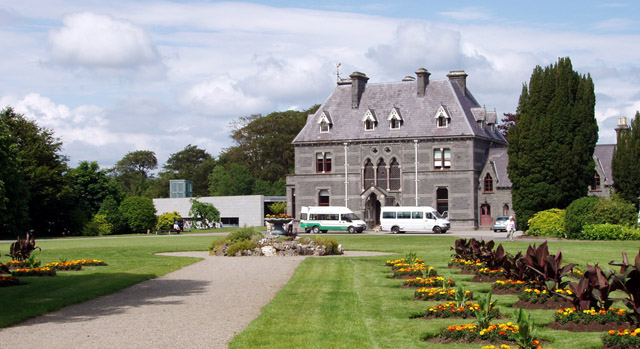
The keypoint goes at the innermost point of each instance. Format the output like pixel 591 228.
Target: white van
pixel 398 219
pixel 322 218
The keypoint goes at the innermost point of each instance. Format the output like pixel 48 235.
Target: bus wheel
pixel 395 230
pixel 352 230
pixel 315 229
pixel 437 230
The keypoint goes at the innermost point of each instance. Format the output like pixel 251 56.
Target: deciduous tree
pixel 133 170
pixel 551 146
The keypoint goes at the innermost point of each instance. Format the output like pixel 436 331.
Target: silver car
pixel 500 224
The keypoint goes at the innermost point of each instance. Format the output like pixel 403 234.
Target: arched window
pixel 595 183
pixel 368 174
pixel 323 198
pixel 488 183
pixel 381 175
pixel 442 200
pixel 394 175
pixel 505 210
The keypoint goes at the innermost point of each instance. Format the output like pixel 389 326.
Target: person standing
pixel 511 228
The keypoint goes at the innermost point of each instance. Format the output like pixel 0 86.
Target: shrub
pixel 240 246
pixel 330 244
pixel 110 209
pixel 548 223
pixel 97 226
pixel 609 232
pixel 278 207
pixel 244 233
pixel 217 245
pixel 165 220
pixel 578 214
pixel 139 213
pixel 592 210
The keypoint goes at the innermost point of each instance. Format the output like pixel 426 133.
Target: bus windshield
pixel 438 215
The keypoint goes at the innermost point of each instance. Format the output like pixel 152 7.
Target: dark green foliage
pixel 139 213
pixel 236 179
pixel 625 164
pixel 578 214
pixel 547 223
pixel 91 186
pixel 594 210
pixel 551 145
pixel 240 246
pixel 527 331
pixel 609 232
pixel 111 209
pixel 191 163
pixel 203 210
pixel 34 181
pixel 132 171
pixel 22 248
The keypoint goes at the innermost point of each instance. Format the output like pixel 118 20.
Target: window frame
pixel 442 158
pixel 323 162
pixel 320 196
pixel 487 183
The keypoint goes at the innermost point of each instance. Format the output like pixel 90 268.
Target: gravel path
pixel 203 305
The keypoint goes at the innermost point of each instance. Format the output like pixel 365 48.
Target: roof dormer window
pixel 395 120
pixel 325 122
pixel 442 117
pixel 369 120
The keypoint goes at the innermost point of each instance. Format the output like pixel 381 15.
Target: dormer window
pixel 369 120
pixel 442 117
pixel 325 122
pixel 395 120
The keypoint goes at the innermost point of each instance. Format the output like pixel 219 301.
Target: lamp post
pixel 346 179
pixel 415 146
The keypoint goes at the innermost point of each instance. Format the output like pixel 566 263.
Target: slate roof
pixel 603 155
pixel 418 113
pixel 499 159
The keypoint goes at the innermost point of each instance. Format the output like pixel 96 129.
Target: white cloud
pixel 222 97
pixel 615 24
pixel 98 41
pixel 467 14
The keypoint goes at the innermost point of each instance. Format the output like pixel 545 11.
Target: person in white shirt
pixel 510 227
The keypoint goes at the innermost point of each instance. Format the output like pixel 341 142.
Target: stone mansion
pixel 416 142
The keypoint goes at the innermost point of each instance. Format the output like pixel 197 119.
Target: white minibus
pixel 399 219
pixel 318 219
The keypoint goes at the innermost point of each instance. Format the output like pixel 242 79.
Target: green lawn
pixel 352 302
pixel 329 302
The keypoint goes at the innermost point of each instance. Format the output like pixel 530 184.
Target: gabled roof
pixel 417 113
pixel 325 116
pixel 603 155
pixel 499 159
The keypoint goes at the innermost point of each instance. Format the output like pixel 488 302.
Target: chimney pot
pixel 358 82
pixel 422 81
pixel 459 77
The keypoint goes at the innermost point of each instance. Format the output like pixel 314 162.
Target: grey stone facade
pixel 382 127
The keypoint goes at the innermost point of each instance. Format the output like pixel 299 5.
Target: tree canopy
pixel 551 145
pixel 626 162
pixel 133 170
pixel 191 163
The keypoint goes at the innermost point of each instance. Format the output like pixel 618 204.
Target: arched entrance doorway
pixel 485 215
pixel 372 211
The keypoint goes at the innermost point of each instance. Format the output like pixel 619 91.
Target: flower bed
pixel 393 262
pixel 72 265
pixel 14 264
pixel 451 309
pixel 571 319
pixel 415 271
pixel 461 263
pixel 434 281
pixel 543 299
pixel 34 272
pixel 6 281
pixel 437 294
pixel 622 338
pixel 471 268
pixel 472 332
pixel 507 346
pixel 91 262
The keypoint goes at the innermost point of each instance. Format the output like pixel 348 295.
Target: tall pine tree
pixel 626 162
pixel 551 146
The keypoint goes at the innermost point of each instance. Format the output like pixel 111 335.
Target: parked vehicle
pixel 316 219
pixel 399 219
pixel 500 224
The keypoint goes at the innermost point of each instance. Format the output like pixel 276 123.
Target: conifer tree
pixel 626 162
pixel 551 146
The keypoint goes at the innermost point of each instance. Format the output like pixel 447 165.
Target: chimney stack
pixel 423 81
pixel 622 126
pixel 459 77
pixel 358 82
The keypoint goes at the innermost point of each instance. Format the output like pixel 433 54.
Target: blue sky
pixel 113 77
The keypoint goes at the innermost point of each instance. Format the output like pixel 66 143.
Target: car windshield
pixel 502 219
pixel 439 216
pixel 352 216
